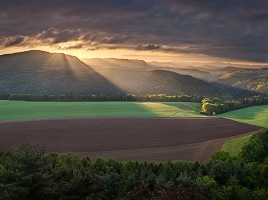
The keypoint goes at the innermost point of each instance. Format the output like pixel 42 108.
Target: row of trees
pixel 151 98
pixel 30 173
pixel 214 106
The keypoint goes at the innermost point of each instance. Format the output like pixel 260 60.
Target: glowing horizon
pixel 147 56
pixel 161 31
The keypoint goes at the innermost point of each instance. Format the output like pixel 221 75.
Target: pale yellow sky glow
pixel 148 56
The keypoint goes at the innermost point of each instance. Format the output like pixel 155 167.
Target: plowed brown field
pixel 140 139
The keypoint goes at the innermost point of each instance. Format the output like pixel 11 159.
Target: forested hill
pixel 38 72
pixel 162 82
pixel 250 79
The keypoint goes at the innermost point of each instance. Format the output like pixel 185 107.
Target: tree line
pixel 30 173
pixel 215 106
pixel 209 106
pixel 103 97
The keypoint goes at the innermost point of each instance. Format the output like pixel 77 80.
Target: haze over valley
pixel 38 72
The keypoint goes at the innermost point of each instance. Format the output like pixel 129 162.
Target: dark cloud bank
pixel 223 28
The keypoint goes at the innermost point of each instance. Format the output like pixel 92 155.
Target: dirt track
pixel 148 139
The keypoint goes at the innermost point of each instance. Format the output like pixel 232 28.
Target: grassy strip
pixel 234 146
pixel 17 110
pixel 255 115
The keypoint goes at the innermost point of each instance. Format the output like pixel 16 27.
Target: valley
pixel 133 100
pixel 55 76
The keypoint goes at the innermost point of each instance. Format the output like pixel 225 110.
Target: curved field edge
pixel 24 110
pixel 167 138
pixel 255 115
pixel 234 146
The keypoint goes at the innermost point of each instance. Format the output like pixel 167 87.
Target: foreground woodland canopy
pixel 30 173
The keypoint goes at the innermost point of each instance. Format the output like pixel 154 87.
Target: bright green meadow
pixel 255 115
pixel 234 146
pixel 19 110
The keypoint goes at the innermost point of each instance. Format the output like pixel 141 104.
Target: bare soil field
pixel 159 139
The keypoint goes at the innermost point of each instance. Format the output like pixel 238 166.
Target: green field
pixel 17 110
pixel 234 146
pixel 255 115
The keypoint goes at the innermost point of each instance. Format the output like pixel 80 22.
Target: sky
pixel 234 31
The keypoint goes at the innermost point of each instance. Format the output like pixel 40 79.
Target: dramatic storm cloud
pixel 235 29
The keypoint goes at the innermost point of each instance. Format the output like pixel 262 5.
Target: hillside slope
pixel 249 79
pixel 38 72
pixel 161 82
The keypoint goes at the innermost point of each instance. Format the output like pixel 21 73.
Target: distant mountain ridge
pixel 39 72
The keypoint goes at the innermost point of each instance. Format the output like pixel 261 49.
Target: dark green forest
pixel 209 106
pixel 30 173
pixel 103 97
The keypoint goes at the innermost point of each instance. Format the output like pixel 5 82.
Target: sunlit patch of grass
pixel 255 115
pixel 17 110
pixel 173 109
pixel 234 146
